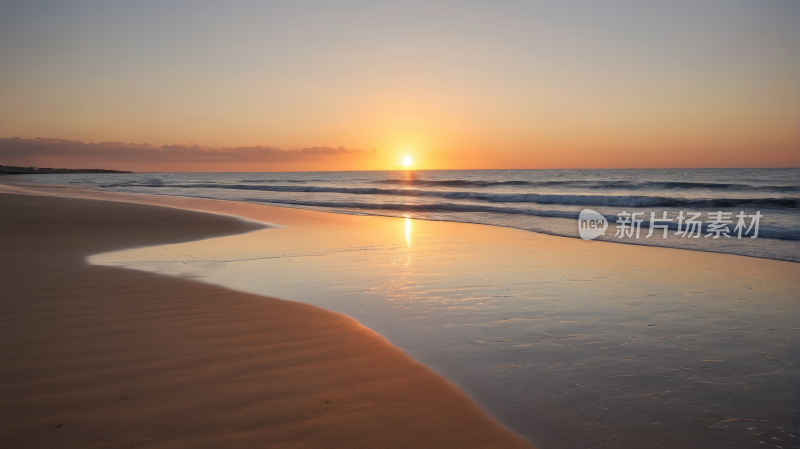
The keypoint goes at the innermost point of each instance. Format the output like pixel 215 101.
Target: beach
pixel 100 356
pixel 566 342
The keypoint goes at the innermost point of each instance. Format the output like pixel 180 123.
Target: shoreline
pixel 177 363
pixel 197 204
pixel 770 248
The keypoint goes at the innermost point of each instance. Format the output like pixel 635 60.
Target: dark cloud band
pixel 17 148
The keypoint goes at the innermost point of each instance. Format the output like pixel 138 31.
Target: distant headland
pixel 12 170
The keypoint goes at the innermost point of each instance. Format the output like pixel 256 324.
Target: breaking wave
pixel 533 198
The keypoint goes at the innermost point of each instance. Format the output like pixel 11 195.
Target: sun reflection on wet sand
pixel 409 227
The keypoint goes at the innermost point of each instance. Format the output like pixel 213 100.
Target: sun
pixel 407 161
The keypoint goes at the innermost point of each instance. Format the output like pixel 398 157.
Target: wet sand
pixel 572 344
pixel 97 356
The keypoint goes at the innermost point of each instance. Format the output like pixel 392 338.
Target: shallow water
pixel 572 344
pixel 544 201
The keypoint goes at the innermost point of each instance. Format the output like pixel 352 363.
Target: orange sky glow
pixel 187 87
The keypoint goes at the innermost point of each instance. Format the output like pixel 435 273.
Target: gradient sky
pixel 455 85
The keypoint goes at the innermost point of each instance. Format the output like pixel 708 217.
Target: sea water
pixel 544 201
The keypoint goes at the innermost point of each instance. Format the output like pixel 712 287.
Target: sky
pixel 318 85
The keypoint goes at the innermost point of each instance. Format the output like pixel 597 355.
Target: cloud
pixel 15 148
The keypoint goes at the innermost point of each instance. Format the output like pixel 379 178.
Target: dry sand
pixel 106 357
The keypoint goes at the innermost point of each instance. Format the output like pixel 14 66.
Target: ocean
pixel 544 201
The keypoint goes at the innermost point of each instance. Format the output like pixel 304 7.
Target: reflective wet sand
pixel 573 344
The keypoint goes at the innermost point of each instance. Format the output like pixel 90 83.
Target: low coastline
pixel 105 356
pixel 15 170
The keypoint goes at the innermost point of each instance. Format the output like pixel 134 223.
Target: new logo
pixel 591 224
